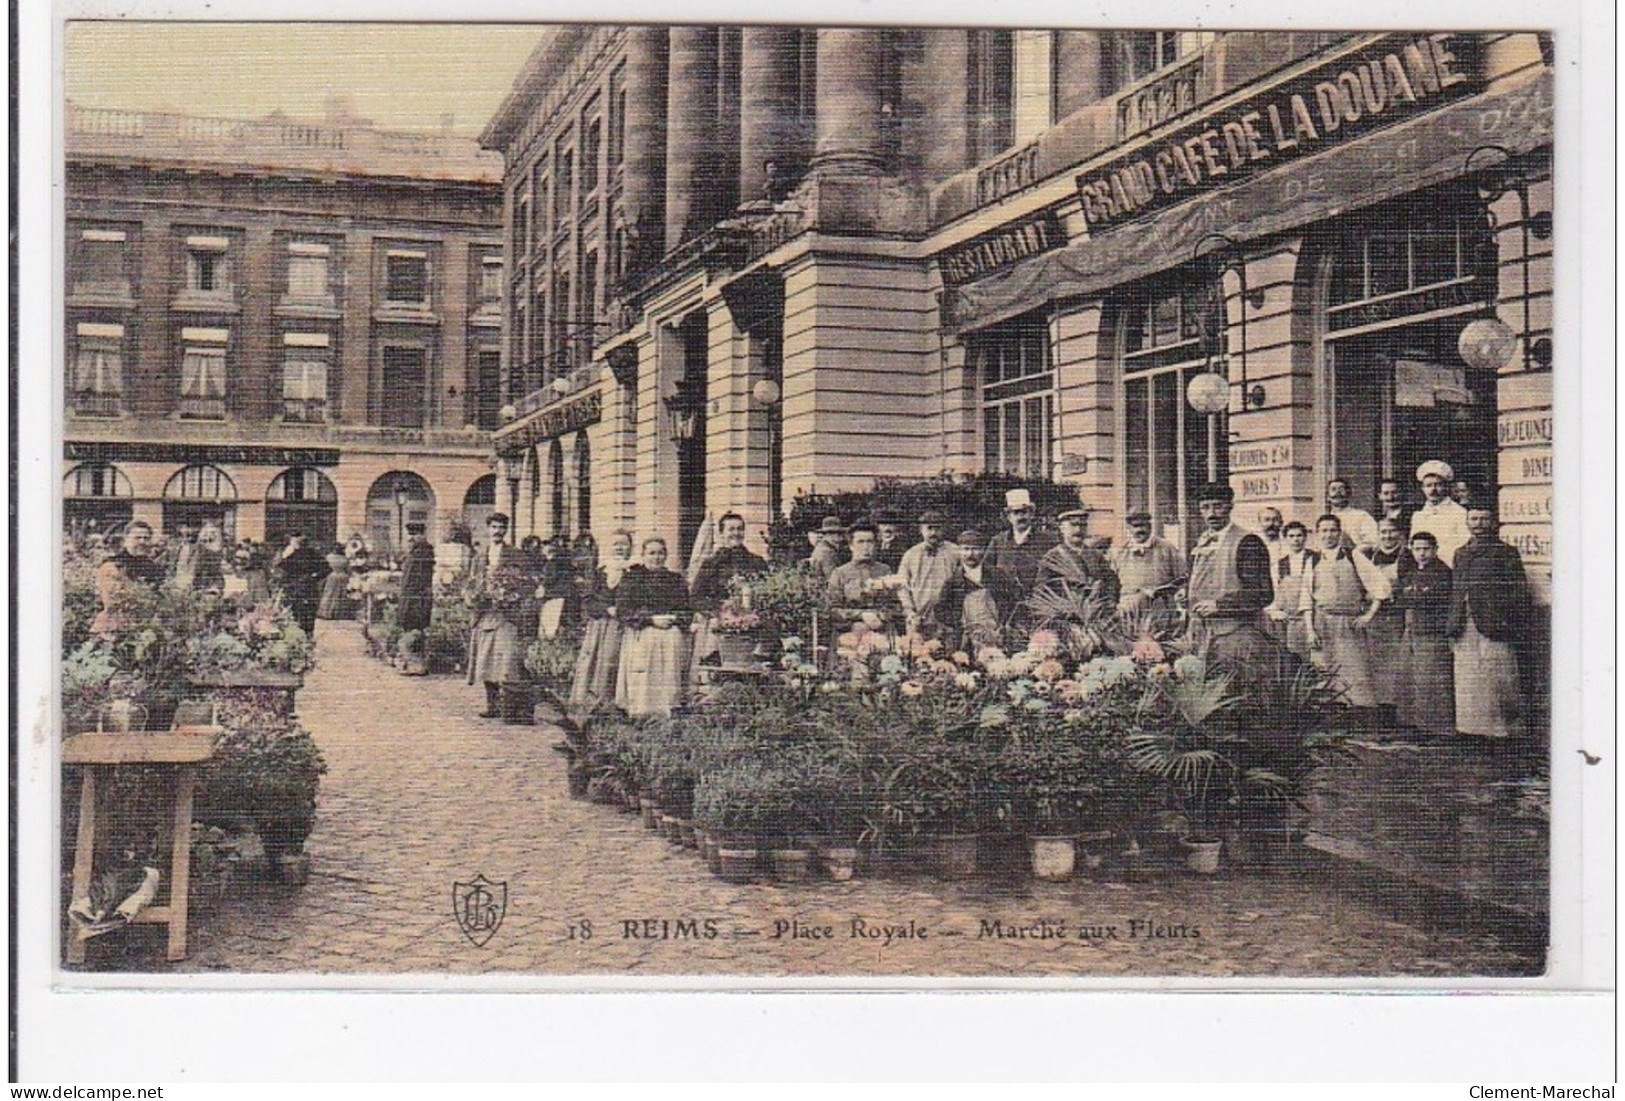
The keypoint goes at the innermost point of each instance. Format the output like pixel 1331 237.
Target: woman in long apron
pixel 653 606
pixel 1428 702
pixel 598 663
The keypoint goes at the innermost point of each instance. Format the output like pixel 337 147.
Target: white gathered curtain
pixel 203 373
pixel 98 369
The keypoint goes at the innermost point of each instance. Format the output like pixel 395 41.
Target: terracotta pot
pixel 953 855
pixel 791 865
pixel 293 869
pixel 1054 858
pixel 672 828
pixel 737 650
pixel 840 862
pixel 736 865
pixel 1201 857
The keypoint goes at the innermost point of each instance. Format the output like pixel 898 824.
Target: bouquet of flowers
pixel 508 586
pixel 732 619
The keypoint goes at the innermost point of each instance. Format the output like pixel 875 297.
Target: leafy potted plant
pixel 736 628
pixel 744 805
pixel 1188 741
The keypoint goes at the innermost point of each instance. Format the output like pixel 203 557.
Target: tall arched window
pixel 302 499
pixel 583 483
pixel 198 495
pixel 96 496
pixel 555 463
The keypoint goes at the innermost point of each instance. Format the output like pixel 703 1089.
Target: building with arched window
pixel 750 262
pixel 299 308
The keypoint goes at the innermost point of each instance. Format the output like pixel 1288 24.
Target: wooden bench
pixel 183 750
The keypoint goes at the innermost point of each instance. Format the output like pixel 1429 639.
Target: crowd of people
pixel 1419 611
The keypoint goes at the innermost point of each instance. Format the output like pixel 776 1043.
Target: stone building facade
pixel 278 325
pixel 748 262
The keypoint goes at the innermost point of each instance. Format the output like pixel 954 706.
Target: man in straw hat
pixel 1228 590
pixel 1018 550
pixel 1440 515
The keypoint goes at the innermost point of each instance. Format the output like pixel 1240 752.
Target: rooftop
pixel 340 145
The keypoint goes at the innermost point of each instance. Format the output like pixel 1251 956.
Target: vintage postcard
pixel 809 503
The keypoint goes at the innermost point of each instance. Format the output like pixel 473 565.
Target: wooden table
pixel 184 750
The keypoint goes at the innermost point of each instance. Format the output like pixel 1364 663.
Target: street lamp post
pixel 400 517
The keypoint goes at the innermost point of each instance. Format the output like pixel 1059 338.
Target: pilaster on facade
pixel 1086 413
pixel 1269 358
pixel 660 366
pixel 861 373
pixel 738 459
pixel 1523 240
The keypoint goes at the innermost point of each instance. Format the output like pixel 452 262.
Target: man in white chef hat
pixel 1440 515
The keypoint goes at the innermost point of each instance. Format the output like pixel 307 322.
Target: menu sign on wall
pixel 1392 79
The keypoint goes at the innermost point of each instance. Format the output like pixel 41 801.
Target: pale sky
pixel 401 76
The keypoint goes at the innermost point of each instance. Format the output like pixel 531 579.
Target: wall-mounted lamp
pixel 766 393
pixel 1228 257
pixel 1492 173
pixel 1255 396
pixel 684 407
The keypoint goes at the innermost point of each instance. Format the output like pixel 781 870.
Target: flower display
pixel 736 619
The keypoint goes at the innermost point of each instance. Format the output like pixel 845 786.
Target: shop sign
pixel 1525 466
pixel 1445 296
pixel 552 422
pixel 1258 487
pixel 1007 175
pixel 1001 247
pixel 1261 456
pixel 1394 78
pixel 1531 504
pixel 1517 429
pixel 1534 544
pixel 109 451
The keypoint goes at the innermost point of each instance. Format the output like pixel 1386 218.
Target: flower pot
pixel 687 834
pixel 671 827
pixel 840 862
pixel 953 855
pixel 737 650
pixel 577 780
pixel 1054 858
pixel 1201 857
pixel 518 705
pixel 791 865
pixel 651 813
pixel 293 869
pixel 736 865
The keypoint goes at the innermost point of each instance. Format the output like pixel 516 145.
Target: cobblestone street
pixel 421 793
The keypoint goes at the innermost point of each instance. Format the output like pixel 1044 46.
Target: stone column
pixel 691 118
pixel 769 65
pixel 643 185
pixel 850 138
pixel 1078 58
pixel 947 109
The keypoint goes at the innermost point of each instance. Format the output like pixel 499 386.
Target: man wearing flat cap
pixel 831 549
pixel 1150 570
pixel 928 567
pixel 1074 564
pixel 1019 549
pixel 1228 590
pixel 1440 515
pixel 981 599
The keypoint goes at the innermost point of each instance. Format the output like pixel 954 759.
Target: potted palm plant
pixel 1188 740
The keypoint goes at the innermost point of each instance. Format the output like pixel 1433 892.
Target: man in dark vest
pixel 1229 589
